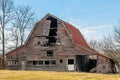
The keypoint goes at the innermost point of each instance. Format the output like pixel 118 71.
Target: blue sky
pixel 94 18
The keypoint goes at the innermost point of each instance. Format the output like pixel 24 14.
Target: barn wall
pixel 15 57
pixel 36 52
pixel 103 65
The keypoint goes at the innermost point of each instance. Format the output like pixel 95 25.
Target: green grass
pixel 51 75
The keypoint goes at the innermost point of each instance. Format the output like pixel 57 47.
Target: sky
pixel 94 18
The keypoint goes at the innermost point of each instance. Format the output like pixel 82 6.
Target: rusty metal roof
pixel 76 35
pixel 79 39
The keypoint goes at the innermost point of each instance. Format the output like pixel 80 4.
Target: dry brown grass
pixel 51 75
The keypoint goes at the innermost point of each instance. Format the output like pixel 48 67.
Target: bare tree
pixel 94 44
pixel 24 18
pixel 110 46
pixel 6 8
pixel 117 34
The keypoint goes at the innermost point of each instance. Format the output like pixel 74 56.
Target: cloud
pixel 76 22
pixel 87 31
pixel 97 32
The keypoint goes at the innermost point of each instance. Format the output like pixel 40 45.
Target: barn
pixel 56 45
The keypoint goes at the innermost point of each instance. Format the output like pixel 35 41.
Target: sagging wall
pixel 104 65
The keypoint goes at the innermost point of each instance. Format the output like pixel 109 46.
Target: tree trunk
pixel 3 38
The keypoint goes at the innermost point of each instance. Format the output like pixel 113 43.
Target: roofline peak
pixel 49 14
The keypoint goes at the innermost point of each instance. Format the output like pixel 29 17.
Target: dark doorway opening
pixel 81 63
pixel 113 68
pixel 92 64
pixel 85 63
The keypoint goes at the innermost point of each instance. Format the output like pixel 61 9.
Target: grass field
pixel 50 75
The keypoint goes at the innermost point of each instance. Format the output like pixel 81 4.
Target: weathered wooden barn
pixel 54 44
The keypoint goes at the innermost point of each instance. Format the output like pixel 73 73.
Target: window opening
pixel 61 61
pixel 35 62
pixel 53 62
pixel 38 42
pixel 47 62
pixel 40 62
pixel 70 61
pixel 50 53
pixel 29 62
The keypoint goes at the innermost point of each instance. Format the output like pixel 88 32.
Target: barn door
pixel 70 65
pixel 23 65
pixel 81 63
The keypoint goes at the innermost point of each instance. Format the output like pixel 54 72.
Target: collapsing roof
pixel 75 35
